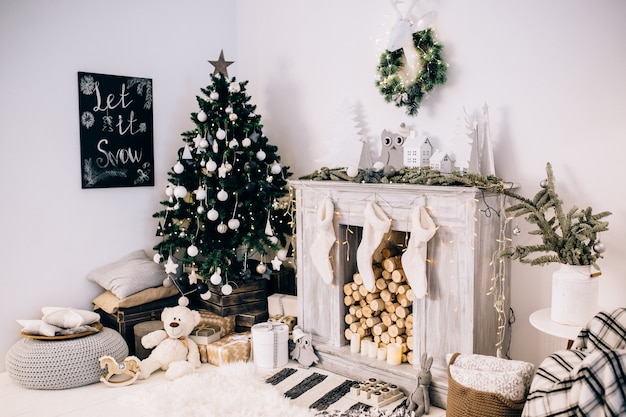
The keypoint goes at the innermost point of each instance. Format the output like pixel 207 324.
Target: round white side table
pixel 541 320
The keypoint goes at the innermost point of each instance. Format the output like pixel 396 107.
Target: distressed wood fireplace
pixel 458 313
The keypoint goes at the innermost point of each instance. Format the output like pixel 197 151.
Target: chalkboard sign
pixel 116 131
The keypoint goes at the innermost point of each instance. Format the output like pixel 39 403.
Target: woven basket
pixel 468 402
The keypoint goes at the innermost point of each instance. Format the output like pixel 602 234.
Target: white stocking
pixel 324 241
pixel 374 228
pixel 414 259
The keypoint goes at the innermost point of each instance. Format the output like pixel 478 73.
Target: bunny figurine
pixel 419 401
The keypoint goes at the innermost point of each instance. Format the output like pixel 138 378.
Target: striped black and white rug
pixel 328 394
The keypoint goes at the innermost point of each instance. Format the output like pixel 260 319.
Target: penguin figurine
pixel 303 351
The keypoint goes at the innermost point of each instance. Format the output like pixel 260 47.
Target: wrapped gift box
pixel 232 348
pixel 226 324
pixel 270 344
pixel 282 304
pixel 290 321
pixel 246 298
pixel 206 334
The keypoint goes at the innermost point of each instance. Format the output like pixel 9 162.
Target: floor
pixel 96 400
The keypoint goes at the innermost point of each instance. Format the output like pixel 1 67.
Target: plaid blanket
pixel 590 379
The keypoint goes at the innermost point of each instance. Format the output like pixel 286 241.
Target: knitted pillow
pixel 133 273
pixel 509 378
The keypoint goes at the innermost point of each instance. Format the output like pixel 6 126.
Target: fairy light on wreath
pixel 432 72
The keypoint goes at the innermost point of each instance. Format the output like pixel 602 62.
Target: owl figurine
pixel 303 351
pixel 392 148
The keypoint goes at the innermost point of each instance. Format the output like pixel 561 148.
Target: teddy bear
pixel 174 352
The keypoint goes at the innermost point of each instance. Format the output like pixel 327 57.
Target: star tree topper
pixel 221 65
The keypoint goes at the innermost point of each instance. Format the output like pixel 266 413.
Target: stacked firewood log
pixel 384 315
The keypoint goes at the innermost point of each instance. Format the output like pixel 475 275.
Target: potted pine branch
pixel 569 238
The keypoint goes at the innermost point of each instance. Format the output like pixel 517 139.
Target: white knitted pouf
pixel 61 364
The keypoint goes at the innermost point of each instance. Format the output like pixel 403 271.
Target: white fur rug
pixel 234 390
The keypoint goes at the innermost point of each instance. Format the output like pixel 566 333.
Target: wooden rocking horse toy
pixel 128 369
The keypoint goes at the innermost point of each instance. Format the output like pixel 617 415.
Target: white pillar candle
pixel 355 343
pixel 382 354
pixel 364 347
pixel 394 354
pixel 372 350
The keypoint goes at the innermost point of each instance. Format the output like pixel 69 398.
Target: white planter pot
pixel 574 295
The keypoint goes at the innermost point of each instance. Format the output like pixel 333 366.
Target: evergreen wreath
pixel 432 72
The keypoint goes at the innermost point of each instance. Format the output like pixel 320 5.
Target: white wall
pixel 55 232
pixel 553 74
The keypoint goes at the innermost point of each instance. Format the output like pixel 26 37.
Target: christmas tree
pixel 224 204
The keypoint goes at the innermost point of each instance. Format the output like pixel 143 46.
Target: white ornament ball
pixel 222 228
pixel 228 110
pixel 214 95
pixel 246 142
pixel 169 191
pixel 233 144
pixel 201 194
pixel 211 165
pixel 167 282
pixel 202 117
pixel 179 168
pixel 352 171
pixel 260 155
pixel 276 168
pixel 261 268
pixel 227 289
pixel 157 258
pixel 233 224
pixel 216 279
pixel 234 87
pixel 192 250
pixel 282 254
pixel 212 214
pixel 180 191
pixel 220 134
pixel 378 166
pixel 200 209
pixel 232 117
pixel 222 195
pixel 183 301
pixel 204 143
pixel 205 296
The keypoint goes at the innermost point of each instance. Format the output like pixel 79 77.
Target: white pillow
pixel 68 318
pixel 133 273
pixel 38 327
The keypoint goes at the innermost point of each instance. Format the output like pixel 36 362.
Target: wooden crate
pixel 245 299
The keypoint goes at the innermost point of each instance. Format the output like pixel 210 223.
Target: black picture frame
pixel 116 130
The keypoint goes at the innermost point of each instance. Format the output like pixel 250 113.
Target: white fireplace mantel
pixel 456 315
